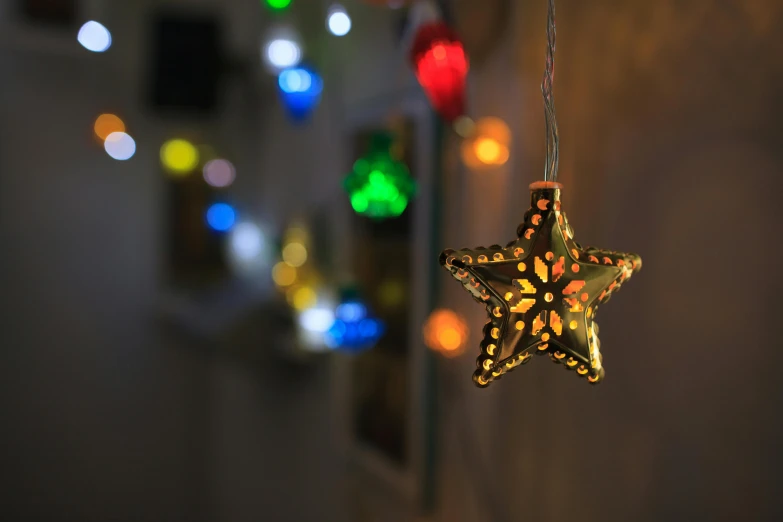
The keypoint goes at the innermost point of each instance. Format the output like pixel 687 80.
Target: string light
pixel 94 37
pixel 441 66
pixel 294 254
pixel 337 21
pixel 283 274
pixel 488 144
pixel 179 157
pixel 446 332
pixel 300 91
pixel 221 217
pixel 219 173
pixel 105 124
pixel 119 146
pixel 379 186
pixel 353 329
pixel 278 5
pixel 282 52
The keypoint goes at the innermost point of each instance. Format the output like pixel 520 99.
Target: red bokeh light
pixel 441 67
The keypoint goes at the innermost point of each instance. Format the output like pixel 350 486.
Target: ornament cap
pixel 538 185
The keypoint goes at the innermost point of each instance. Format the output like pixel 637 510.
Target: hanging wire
pixel 552 136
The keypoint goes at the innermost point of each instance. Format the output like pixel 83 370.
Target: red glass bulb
pixel 441 67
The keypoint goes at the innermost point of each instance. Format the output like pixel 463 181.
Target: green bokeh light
pixel 379 186
pixel 278 4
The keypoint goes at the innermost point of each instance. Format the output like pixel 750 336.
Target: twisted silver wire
pixel 552 136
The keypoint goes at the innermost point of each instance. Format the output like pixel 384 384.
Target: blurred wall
pixel 106 414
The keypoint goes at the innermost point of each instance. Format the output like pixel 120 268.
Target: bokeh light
pixel 303 298
pixel 300 90
pixel 282 52
pixel 446 332
pixel 247 241
pixel 379 186
pixel 338 22
pixel 94 37
pixel 278 5
pixel 219 173
pixel 180 157
pixel 105 124
pixel 221 217
pixel 488 145
pixel 353 329
pixel 316 319
pixel 294 254
pixel 283 274
pixel 119 146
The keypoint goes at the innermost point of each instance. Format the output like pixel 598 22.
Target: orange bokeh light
pixel 446 332
pixel 488 145
pixel 105 124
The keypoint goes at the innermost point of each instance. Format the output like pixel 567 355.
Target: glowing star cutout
pixel 546 280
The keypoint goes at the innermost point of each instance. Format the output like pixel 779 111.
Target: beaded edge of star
pixel 545 216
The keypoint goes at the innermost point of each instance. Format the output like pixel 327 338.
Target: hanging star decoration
pixel 542 292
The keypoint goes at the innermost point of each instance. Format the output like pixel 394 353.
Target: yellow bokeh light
pixel 283 274
pixel 294 254
pixel 180 157
pixel 303 298
pixel 106 124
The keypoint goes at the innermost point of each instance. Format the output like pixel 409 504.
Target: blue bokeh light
pixel 300 91
pixel 353 330
pixel 221 217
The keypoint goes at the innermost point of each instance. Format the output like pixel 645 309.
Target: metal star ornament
pixel 542 292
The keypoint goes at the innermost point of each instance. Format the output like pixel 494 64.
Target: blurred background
pixel 220 223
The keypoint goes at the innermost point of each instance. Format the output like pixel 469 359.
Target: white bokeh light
pixel 94 37
pixel 316 319
pixel 219 173
pixel 119 146
pixel 338 22
pixel 282 52
pixel 247 241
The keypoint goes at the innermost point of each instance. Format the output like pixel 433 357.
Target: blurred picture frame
pixel 376 452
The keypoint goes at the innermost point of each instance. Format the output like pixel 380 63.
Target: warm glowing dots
pixel 573 325
pixel 283 274
pixel 278 5
pixel 94 37
pixel 282 52
pixel 106 124
pixel 337 20
pixel 221 217
pixel 294 254
pixel 519 325
pixel 178 156
pixel 219 173
pixel 119 146
pixel 446 332
pixel 489 144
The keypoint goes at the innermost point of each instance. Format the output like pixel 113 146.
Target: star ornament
pixel 541 291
